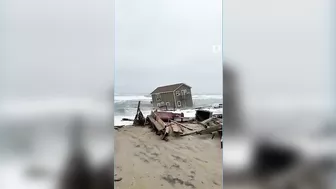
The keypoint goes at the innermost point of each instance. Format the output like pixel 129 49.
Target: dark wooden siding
pixel 165 97
pixel 184 97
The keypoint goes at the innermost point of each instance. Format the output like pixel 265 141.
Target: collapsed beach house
pixel 172 96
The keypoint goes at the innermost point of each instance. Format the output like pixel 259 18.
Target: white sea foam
pixel 186 112
pixel 120 98
pixel 131 97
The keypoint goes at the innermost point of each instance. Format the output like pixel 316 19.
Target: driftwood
pixel 127 119
pixel 180 124
pixel 139 118
pixel 136 114
pixel 118 127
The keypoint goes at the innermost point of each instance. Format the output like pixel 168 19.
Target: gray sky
pixel 281 48
pixel 60 47
pixel 166 42
pixel 66 47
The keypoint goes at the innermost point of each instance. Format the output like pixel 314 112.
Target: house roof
pixel 168 88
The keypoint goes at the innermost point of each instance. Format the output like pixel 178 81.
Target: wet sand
pixel 144 161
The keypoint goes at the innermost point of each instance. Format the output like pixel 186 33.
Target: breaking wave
pixel 125 106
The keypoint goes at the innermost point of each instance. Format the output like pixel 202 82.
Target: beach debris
pixel 212 125
pixel 167 116
pixel 180 124
pixel 202 115
pixel 127 119
pixel 117 127
pixel 139 118
pixel 116 179
pixel 217 115
pixel 176 128
pixel 210 122
pixel 209 130
pixel 184 119
pixel 158 126
pixel 166 133
pixel 165 123
pixel 217 106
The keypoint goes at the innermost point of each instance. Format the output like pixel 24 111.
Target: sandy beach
pixel 144 161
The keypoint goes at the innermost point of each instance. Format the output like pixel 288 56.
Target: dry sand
pixel 144 161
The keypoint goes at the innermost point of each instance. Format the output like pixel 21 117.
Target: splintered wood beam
pixel 180 124
pixel 157 125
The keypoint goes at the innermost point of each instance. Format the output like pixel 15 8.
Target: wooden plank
pixel 211 129
pixel 158 126
pixel 180 124
pixel 159 120
pixel 205 131
pixel 176 128
pixel 137 113
pixel 166 133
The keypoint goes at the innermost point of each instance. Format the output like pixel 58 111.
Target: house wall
pixel 165 97
pixel 186 99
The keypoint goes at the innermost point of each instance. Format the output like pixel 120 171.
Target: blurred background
pixel 57 66
pixel 281 53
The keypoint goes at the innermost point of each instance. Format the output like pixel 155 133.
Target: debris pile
pixel 165 123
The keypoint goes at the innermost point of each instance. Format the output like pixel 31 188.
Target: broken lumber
pixel 205 122
pixel 159 120
pixel 180 124
pixel 176 128
pixel 210 130
pixel 156 124
pixel 139 118
pixel 166 133
pixel 136 114
pixel 194 132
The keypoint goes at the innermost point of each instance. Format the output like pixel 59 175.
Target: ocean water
pixel 125 106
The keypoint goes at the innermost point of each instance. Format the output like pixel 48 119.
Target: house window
pixel 158 97
pixel 179 104
pixel 167 103
pixel 177 93
pixel 184 92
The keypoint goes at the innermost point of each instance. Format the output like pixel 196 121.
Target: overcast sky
pixel 67 47
pixel 60 47
pixel 166 42
pixel 280 48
